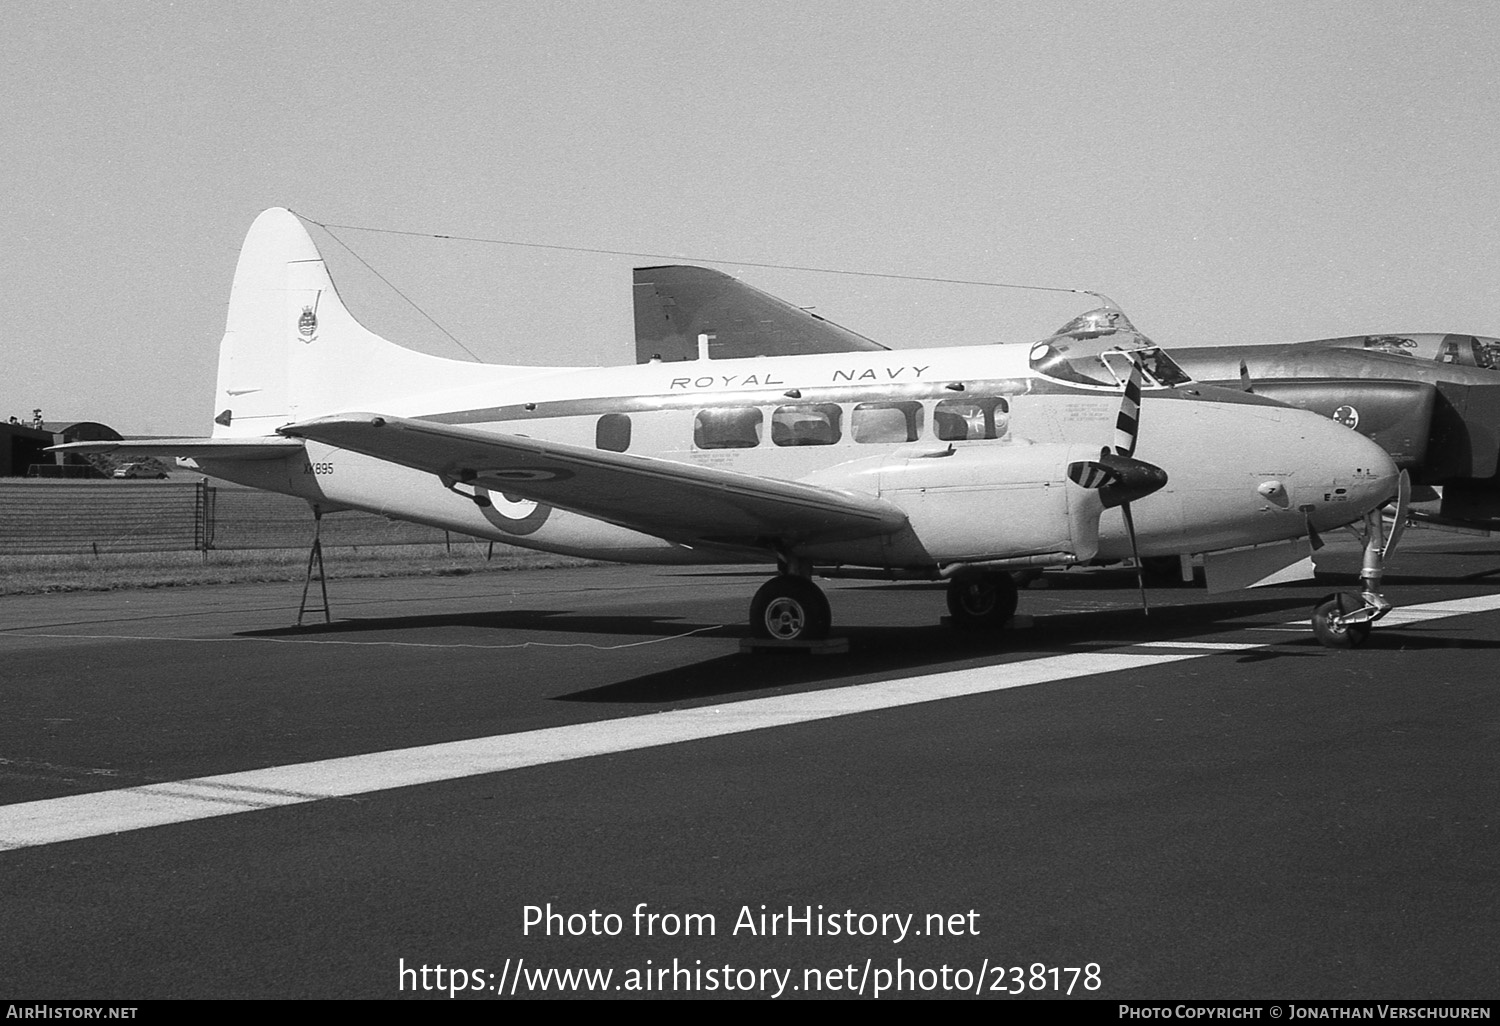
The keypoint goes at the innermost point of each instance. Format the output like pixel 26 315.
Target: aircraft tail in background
pixel 676 303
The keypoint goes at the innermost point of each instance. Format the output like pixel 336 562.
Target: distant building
pixel 23 446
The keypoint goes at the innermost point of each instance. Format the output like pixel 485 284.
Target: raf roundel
pixel 513 515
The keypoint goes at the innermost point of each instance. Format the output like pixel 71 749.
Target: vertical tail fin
pixel 291 350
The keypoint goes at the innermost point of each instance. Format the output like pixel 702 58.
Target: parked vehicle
pixel 139 470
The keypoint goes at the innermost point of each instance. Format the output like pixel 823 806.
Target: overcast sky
pixel 1227 172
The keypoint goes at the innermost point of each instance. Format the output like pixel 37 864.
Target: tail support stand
pixel 315 555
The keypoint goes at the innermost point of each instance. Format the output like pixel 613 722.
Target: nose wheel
pixel 1340 621
pixel 790 608
pixel 1344 620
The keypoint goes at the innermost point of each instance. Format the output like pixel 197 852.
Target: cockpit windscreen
pixel 1097 349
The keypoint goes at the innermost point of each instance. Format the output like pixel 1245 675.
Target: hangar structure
pixel 23 447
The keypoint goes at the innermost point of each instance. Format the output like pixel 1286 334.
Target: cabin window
pixel 886 422
pixel 972 417
pixel 612 432
pixel 733 428
pixel 811 424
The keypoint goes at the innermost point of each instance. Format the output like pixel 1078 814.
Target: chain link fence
pixel 57 517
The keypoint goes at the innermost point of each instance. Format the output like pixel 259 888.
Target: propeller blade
pixel 1140 571
pixel 1091 474
pixel 1128 421
pixel 1133 478
pixel 1116 478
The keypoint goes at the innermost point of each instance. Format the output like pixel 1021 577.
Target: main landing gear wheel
pixel 789 608
pixel 1330 625
pixel 982 602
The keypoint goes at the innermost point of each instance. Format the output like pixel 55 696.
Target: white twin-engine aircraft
pixel 947 464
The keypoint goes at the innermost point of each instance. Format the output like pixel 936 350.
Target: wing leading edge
pixel 676 501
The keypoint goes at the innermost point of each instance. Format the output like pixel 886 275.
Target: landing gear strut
pixel 980 602
pixel 1343 620
pixel 790 608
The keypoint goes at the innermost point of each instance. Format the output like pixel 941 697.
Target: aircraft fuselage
pixel 971 442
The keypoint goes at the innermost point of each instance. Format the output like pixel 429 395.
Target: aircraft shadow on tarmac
pixel 1110 624
pixel 884 651
pixel 564 621
pixel 881 652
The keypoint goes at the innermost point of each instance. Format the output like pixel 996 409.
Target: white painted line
pixel 52 820
pixel 1217 646
pixel 1429 611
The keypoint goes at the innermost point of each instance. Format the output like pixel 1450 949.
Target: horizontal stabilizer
pixel 677 501
pixel 677 303
pixel 192 448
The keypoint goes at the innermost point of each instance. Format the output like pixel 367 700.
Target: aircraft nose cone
pixel 1354 475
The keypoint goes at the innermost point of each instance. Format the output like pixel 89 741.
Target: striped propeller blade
pixel 1128 423
pixel 1091 475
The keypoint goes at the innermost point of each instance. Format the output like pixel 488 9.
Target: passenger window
pixel 612 432
pixel 734 428
pixel 959 420
pixel 814 424
pixel 886 422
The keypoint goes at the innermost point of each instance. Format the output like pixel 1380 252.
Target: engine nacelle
pixel 984 502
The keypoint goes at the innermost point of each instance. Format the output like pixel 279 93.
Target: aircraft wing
pixel 678 501
pixel 674 304
pixel 193 448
